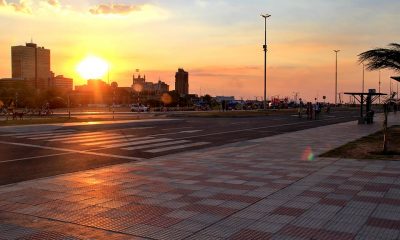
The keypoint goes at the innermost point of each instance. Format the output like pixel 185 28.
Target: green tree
pixel 382 58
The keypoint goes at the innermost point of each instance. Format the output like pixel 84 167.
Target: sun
pixel 92 68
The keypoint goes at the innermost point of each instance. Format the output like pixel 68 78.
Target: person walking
pixel 310 111
pixel 300 109
pixel 317 110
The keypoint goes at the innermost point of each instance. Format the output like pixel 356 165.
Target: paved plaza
pixel 269 188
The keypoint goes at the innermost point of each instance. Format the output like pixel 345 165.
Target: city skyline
pixel 218 42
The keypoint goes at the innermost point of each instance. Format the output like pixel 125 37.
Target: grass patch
pixel 370 147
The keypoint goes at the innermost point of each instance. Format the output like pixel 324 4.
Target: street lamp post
pixel 363 78
pixel 265 16
pixel 379 87
pixel 114 86
pixel 336 76
pixel 69 106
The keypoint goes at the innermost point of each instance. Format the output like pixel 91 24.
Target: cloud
pixel 122 9
pixel 20 6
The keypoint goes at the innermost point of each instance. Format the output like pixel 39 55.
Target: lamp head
pixel 265 16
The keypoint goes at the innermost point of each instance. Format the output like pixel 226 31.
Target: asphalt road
pixel 36 152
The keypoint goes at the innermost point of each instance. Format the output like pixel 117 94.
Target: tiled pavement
pixel 270 188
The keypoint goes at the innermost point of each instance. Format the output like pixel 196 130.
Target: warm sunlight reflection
pixel 92 68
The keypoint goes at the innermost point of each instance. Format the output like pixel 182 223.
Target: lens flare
pixel 308 154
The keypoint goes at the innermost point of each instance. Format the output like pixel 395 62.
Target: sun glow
pixel 92 68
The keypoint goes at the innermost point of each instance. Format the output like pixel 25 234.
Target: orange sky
pixel 218 42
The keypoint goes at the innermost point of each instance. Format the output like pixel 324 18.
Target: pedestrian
pixel 300 110
pixel 317 110
pixel 328 108
pixel 309 111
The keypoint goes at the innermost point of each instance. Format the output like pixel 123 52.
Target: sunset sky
pixel 218 41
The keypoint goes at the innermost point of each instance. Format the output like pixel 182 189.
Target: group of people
pixel 313 111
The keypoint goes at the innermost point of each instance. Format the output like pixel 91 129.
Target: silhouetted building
pixel 13 82
pixel 139 85
pixel 182 82
pixel 31 63
pixel 94 92
pixel 61 83
pixel 161 87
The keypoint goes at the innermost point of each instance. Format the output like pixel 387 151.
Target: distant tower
pixel 31 63
pixel 182 82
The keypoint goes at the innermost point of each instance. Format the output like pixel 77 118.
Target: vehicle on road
pixel 139 108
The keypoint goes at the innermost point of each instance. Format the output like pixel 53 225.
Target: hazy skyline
pixel 219 42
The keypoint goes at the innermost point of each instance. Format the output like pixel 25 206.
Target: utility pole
pixel 379 87
pixel 265 16
pixel 363 78
pixel 69 106
pixel 336 76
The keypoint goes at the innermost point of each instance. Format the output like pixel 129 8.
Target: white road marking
pixel 117 141
pixel 155 145
pixel 137 143
pixel 95 139
pixel 166 129
pixel 191 131
pixel 82 137
pixel 139 128
pixel 55 135
pixel 72 151
pixel 177 147
pixel 46 135
pixel 35 133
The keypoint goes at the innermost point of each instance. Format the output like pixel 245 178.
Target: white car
pixel 139 108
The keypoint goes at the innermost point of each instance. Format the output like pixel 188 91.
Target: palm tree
pixel 380 58
pixel 383 58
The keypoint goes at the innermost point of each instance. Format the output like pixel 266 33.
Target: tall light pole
pixel 379 87
pixel 363 78
pixel 265 16
pixel 336 76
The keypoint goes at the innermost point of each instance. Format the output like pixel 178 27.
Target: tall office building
pixel 31 63
pixel 182 82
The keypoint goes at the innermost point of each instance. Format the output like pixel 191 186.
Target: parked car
pixel 139 108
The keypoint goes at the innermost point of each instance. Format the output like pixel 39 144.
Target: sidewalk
pixel 270 188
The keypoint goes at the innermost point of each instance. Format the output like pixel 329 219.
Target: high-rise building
pixel 182 82
pixel 31 63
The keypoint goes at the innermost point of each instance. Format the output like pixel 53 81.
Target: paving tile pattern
pixel 268 188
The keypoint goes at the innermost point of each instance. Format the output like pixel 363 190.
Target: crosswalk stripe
pixel 47 135
pixel 34 133
pixel 117 141
pixel 177 147
pixel 61 136
pixel 137 143
pixel 80 137
pixel 99 139
pixel 155 145
pixel 69 135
